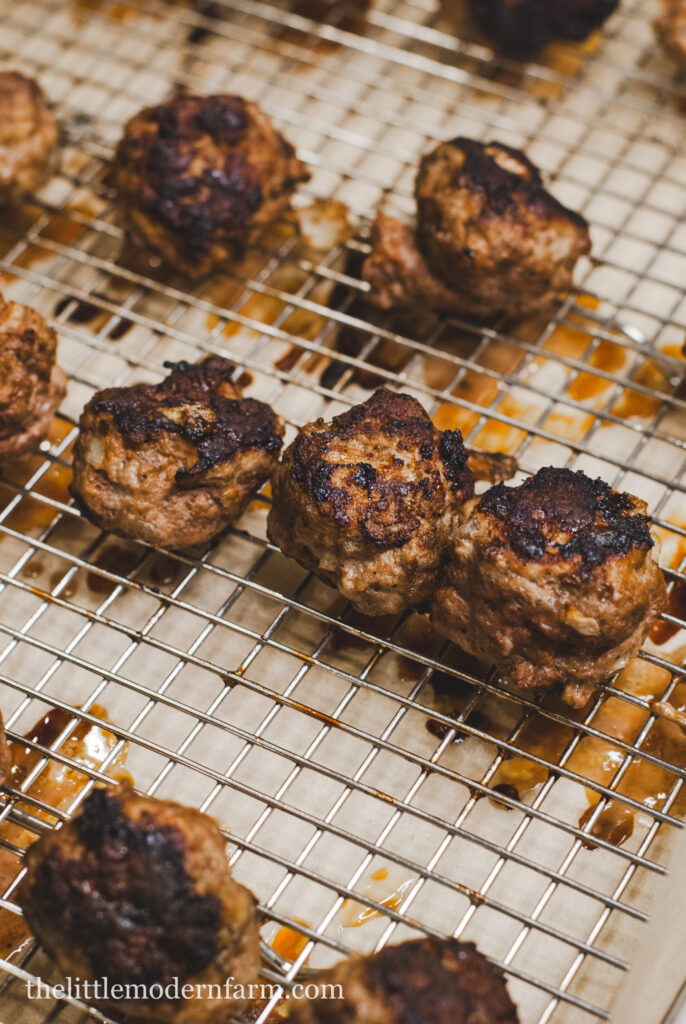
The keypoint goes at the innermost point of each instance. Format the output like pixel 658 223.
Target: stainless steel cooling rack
pixel 373 785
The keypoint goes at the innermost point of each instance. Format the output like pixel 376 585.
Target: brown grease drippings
pixel 598 759
pixel 57 785
pixel 288 942
pixel 31 516
pixel 385 888
pixel 676 605
pixel 115 559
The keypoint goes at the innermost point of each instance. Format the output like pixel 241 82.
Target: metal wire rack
pixel 363 772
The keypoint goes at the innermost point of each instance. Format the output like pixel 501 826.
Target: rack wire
pixel 352 762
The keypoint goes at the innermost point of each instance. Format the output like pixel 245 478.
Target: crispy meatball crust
pixel 31 385
pixel 367 501
pixel 176 462
pixel 522 28
pixel 424 981
pixel 200 177
pixel 491 232
pixel 670 29
pixel 138 891
pixel 28 136
pixel 552 581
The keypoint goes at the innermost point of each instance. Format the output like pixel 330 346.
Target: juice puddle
pixel 386 886
pixel 566 340
pixel 32 516
pixel 288 942
pixel 597 759
pixel 57 785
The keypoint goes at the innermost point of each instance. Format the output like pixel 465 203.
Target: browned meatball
pixel 367 501
pixel 553 581
pixel 490 239
pixel 424 981
pixel 31 385
pixel 200 177
pixel 138 891
pixel 399 275
pixel 176 462
pixel 28 136
pixel 522 28
pixel 670 29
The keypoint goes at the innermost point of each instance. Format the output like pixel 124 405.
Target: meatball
pixel 425 981
pixel 553 581
pixel 28 136
pixel 490 240
pixel 201 177
pixel 367 501
pixel 398 274
pixel 670 29
pixel 31 385
pixel 138 891
pixel 522 28
pixel 491 232
pixel 176 462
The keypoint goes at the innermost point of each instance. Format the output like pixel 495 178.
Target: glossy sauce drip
pixel 15 224
pixel 565 340
pixel 450 695
pixel 608 357
pixel 288 942
pixel 289 359
pixel 635 405
pixel 63 230
pixel 676 606
pixel 598 759
pixel 117 559
pixel 387 888
pixel 31 516
pixel 164 571
pixel 57 785
pixel 120 329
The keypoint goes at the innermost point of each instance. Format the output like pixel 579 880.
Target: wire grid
pixel 235 681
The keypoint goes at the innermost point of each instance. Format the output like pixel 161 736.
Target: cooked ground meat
pixel 201 177
pixel 31 385
pixel 522 28
pixel 176 462
pixel 424 981
pixel 670 29
pixel 490 240
pixel 399 275
pixel 138 891
pixel 553 581
pixel 28 136
pixel 367 501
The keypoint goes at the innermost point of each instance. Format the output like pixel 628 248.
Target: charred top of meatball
pixel 28 346
pixel 439 981
pixel 425 981
pixel 522 28
pixel 125 897
pixel 203 164
pixel 559 514
pixel 505 177
pixel 345 489
pixel 197 402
